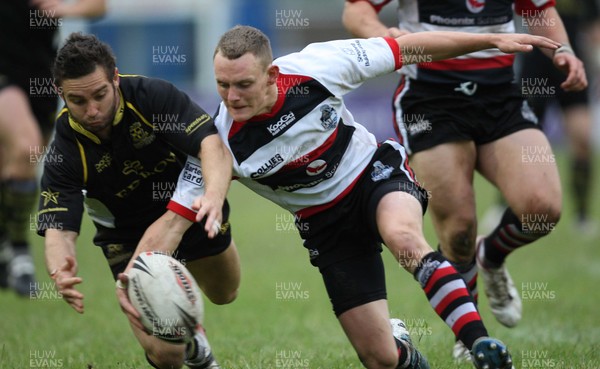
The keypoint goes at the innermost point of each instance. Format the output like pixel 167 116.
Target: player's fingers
pixel 68 282
pixel 126 305
pixel 71 294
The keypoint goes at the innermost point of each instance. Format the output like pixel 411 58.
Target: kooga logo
pixel 283 122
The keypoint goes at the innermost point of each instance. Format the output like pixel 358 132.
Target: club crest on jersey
pixel 380 171
pixel 475 6
pixel 316 167
pixel 139 136
pixel 329 117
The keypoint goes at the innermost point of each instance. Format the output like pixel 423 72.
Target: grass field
pixel 283 319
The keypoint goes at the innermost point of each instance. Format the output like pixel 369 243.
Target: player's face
pixel 92 100
pixel 245 85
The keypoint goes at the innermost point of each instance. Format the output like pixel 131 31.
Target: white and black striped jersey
pixel 308 152
pixel 476 16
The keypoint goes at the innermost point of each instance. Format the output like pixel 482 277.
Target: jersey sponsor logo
pixel 475 6
pixel 316 167
pixel 140 136
pixel 192 173
pixel 197 124
pixel 103 163
pixel 135 167
pixel 329 117
pixel 268 166
pixel 50 196
pixel 380 171
pixel 360 52
pixel 297 186
pixel 282 123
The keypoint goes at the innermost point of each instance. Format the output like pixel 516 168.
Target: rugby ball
pixel 167 297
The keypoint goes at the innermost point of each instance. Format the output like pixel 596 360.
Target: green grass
pixel 260 330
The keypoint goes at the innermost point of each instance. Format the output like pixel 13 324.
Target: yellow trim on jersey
pixel 130 106
pixel 131 75
pixel 118 117
pixel 83 161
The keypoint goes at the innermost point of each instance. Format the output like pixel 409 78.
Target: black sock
pixel 581 180
pixel 19 198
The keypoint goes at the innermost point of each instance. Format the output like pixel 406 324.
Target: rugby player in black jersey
pixel 122 141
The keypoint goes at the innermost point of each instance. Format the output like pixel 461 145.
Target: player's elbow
pixel 224 298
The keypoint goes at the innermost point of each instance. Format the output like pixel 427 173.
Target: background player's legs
pixel 19 134
pixel 578 126
pixel 446 171
pixel 523 168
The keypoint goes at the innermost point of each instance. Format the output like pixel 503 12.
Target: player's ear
pixel 272 74
pixel 116 77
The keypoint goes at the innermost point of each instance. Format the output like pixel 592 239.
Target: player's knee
pixel 223 298
pixel 165 356
pixel 542 215
pixel 407 245
pixel 461 242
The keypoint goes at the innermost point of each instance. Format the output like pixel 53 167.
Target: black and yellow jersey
pixel 124 182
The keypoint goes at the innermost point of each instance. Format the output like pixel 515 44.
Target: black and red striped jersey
pixel 307 153
pixel 476 16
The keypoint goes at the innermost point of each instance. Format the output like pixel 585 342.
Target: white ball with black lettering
pixel 167 297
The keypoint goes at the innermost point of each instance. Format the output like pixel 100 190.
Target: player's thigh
pixel 368 328
pixel 17 121
pixel 219 275
pixel 446 172
pixel 19 132
pixel 523 167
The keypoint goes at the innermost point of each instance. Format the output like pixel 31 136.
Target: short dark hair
pixel 80 56
pixel 245 39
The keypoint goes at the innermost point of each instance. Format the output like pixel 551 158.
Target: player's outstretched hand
pixel 65 279
pixel 132 315
pixel 573 67
pixel 520 42
pixel 211 207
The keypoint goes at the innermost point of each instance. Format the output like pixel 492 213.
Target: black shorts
pixel 427 115
pixel 42 100
pixel 194 245
pixel 344 242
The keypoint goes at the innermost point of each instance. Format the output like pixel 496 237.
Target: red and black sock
pixel 506 238
pixel 448 295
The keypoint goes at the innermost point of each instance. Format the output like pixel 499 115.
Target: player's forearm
pixel 58 245
pixel 361 20
pixel 216 166
pixel 548 23
pixel 164 235
pixel 432 46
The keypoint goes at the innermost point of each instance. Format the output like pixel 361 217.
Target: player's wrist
pixel 564 49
